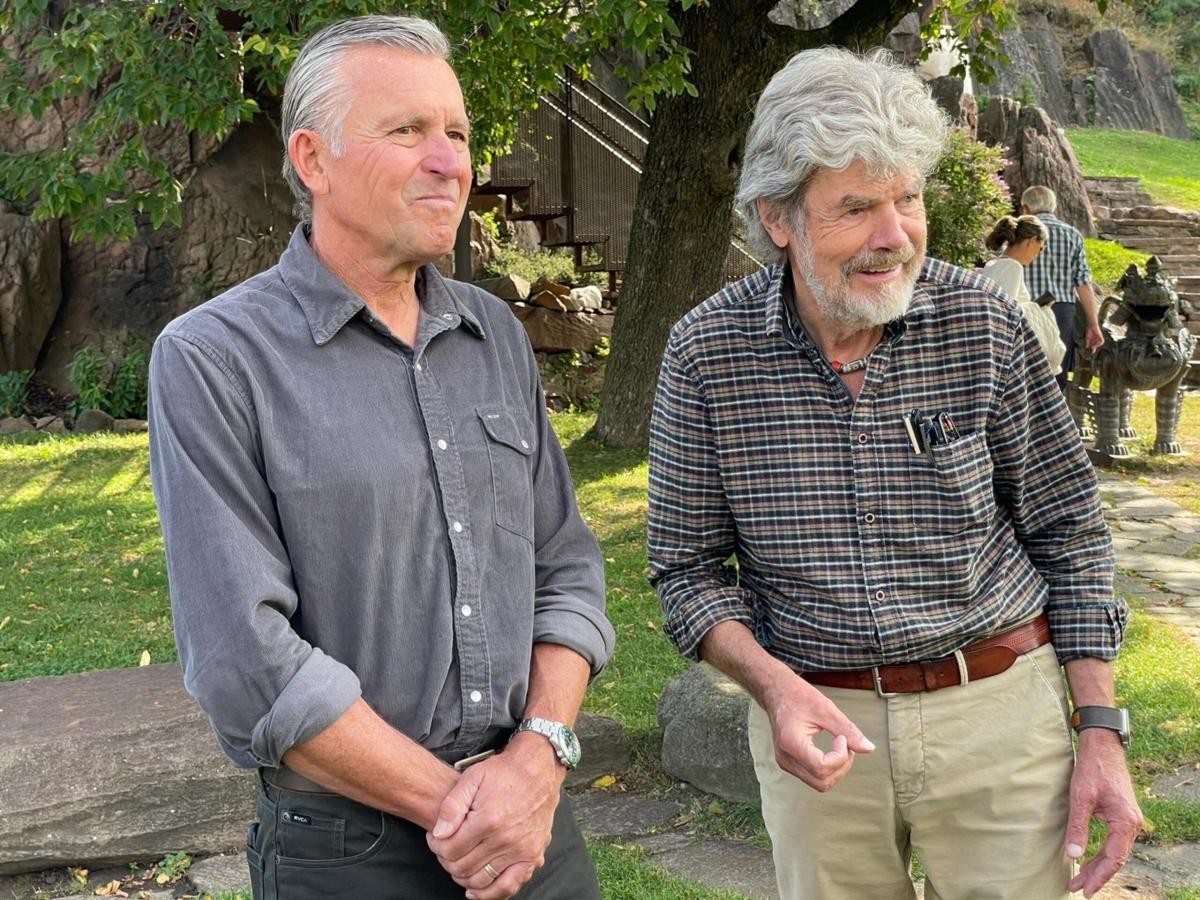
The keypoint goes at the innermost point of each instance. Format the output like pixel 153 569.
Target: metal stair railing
pixel 576 163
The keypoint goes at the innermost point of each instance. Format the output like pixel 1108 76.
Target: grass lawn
pixel 1174 477
pixel 1169 168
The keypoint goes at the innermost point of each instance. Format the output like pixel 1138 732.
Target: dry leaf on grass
pixel 112 889
pixel 145 658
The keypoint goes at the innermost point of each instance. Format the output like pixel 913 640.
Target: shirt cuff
pixel 686 628
pixel 317 695
pixel 1094 630
pixel 584 630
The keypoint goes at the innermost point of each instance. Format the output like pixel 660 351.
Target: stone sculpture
pixel 1153 354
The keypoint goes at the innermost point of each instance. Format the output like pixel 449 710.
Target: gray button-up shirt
pixel 345 515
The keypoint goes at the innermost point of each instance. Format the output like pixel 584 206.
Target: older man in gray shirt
pixel 378 570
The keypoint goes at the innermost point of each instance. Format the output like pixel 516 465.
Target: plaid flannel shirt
pixel 1061 266
pixel 851 550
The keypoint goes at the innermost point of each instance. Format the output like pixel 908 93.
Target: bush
pixel 553 265
pixel 114 384
pixel 964 197
pixel 14 391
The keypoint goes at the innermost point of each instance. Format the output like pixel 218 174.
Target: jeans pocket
pixel 254 861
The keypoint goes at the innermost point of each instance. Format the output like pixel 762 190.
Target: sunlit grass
pixel 1169 168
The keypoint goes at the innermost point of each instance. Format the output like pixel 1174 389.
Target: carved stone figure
pixel 1153 354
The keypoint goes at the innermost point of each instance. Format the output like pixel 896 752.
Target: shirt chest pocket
pixel 510 445
pixel 950 487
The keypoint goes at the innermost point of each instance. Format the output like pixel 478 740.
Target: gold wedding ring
pixel 487 867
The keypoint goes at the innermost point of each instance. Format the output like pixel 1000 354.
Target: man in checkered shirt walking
pixel 1061 269
pixel 878 440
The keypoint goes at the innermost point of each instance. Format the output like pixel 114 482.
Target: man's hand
pixel 1101 789
pixel 500 814
pixel 1094 338
pixel 798 712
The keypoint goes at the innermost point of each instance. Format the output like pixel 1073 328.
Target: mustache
pixel 880 259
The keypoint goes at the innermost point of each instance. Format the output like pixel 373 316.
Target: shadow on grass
pixel 591 461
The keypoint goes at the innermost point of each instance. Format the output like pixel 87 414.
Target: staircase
pixel 1127 214
pixel 574 169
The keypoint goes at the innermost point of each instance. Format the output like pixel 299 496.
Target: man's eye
pixel 457 136
pixel 405 129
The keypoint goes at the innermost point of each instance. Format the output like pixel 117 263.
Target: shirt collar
pixel 328 304
pixel 778 318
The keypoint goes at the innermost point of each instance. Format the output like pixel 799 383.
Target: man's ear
pixel 309 155
pixel 775 222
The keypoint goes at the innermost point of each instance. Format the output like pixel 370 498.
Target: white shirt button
pixel 880 596
pixel 525 445
pixel 476 696
pixel 442 445
pixel 419 366
pixel 466 610
pixel 457 526
pixel 448 316
pixel 869 518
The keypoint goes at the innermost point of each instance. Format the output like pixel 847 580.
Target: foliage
pixel 116 385
pixel 1169 168
pixel 553 265
pixel 964 197
pixel 1108 262
pixel 200 67
pixel 14 391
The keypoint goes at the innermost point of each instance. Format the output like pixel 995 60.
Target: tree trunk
pixel 683 218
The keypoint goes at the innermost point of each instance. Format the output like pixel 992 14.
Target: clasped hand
pixel 499 814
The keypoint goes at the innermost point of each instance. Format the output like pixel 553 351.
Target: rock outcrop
pixel 31 289
pixel 1037 154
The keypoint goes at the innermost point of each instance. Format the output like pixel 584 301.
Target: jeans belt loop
pixel 879 691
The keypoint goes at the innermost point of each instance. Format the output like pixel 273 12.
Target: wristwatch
pixel 560 736
pixel 1114 719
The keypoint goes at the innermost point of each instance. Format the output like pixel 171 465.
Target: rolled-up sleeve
pixel 690 530
pixel 263 687
pixel 569 594
pixel 1043 475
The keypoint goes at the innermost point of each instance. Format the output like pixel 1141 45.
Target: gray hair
pixel 1039 199
pixel 826 109
pixel 315 97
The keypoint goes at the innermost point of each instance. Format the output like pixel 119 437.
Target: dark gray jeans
pixel 309 846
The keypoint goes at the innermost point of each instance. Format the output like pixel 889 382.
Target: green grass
pixel 626 875
pixel 82 575
pixel 1108 262
pixel 1176 478
pixel 1168 168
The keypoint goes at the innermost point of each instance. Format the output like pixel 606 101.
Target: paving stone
pixel 612 815
pixel 724 865
pixel 1177 545
pixel 1142 531
pixel 1126 543
pixel 1182 784
pixel 1184 583
pixel 1135 586
pixel 1143 562
pixel 1151 507
pixel 228 872
pixel 1174 865
pixel 1128 886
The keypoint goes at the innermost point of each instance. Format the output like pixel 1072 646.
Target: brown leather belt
pixel 988 657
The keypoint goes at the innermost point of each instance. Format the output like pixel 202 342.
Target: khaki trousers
pixel 974 778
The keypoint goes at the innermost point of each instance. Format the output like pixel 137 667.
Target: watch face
pixel 571 749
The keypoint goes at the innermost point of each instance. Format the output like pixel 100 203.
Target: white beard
pixel 857 311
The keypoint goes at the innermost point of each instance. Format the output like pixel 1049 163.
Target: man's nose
pixel 443 157
pixel 888 233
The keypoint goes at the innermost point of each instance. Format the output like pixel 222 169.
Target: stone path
pixel 1158 560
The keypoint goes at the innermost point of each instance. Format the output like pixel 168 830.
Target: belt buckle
pixel 879 691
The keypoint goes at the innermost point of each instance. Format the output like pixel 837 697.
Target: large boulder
pixel 1037 153
pixel 555 332
pixel 1132 91
pixel 31 289
pixel 236 221
pixel 705 742
pixel 110 767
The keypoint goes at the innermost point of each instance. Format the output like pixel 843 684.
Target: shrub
pixel 964 197
pixel 14 391
pixel 116 385
pixel 553 265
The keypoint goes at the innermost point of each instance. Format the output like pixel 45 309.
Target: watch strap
pixel 1112 718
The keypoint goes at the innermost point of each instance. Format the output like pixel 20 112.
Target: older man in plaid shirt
pixel 1061 270
pixel 878 440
